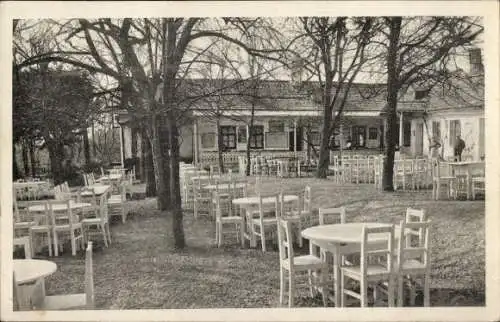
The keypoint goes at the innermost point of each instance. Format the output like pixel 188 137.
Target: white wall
pixel 469 123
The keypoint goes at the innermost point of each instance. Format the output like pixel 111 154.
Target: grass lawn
pixel 141 270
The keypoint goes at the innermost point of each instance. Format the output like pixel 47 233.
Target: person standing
pixel 459 148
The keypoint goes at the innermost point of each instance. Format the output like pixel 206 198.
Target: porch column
pixel 121 146
pixel 195 141
pixel 400 130
pixel 295 136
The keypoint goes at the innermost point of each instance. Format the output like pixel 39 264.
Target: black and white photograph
pixel 221 161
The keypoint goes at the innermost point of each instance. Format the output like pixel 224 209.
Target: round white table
pixel 336 236
pixel 222 186
pixel 60 207
pixel 30 270
pixel 254 201
pixel 99 189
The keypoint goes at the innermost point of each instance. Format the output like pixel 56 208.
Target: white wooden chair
pixel 441 177
pixel 225 216
pixel 75 301
pixel 292 213
pixel 42 229
pixel 99 223
pixel 23 220
pixel 419 175
pixel 26 244
pixel 403 173
pixel 65 223
pixel 258 225
pixel 202 198
pixel 376 266
pixel 478 185
pixel 116 203
pixel 291 264
pixel 413 259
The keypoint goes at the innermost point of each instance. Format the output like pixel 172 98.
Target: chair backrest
pixel 285 244
pixel 102 172
pixel 383 252
pixel 413 215
pixel 441 169
pixel 417 251
pixel 39 217
pixel 89 277
pixel 221 209
pixel 65 212
pixel 339 215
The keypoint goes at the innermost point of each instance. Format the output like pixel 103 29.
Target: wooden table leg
pixel 336 274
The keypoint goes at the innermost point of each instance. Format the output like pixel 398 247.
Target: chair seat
pixel 413 264
pixel 64 302
pixel 40 228
pixel 92 221
pixel 115 201
pixel 67 227
pixel 444 178
pixel 267 221
pixel 24 224
pixel 373 270
pixel 232 219
pixel 304 262
pixel 478 179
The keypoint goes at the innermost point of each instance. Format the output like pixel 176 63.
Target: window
pixel 228 134
pixel 436 131
pixel 242 134
pixel 276 126
pixel 420 94
pixel 372 133
pixel 208 140
pixel 314 138
pixel 359 136
pixel 406 133
pixel 257 138
pixel 455 130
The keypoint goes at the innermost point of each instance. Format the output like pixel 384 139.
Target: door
pixel 419 139
pixel 359 136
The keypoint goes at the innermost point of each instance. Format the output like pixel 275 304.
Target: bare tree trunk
pixel 247 170
pixel 392 103
pixel 149 172
pixel 175 192
pixel 56 155
pixel 86 146
pixel 160 161
pixel 324 151
pixel 26 164
pixel 220 145
pixel 32 157
pixel 15 168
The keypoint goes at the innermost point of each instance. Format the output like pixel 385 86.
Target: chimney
pixel 476 62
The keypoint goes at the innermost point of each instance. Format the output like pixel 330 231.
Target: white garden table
pixel 254 201
pixel 334 237
pixel 99 189
pixel 60 207
pixel 110 177
pixel 26 272
pixel 222 186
